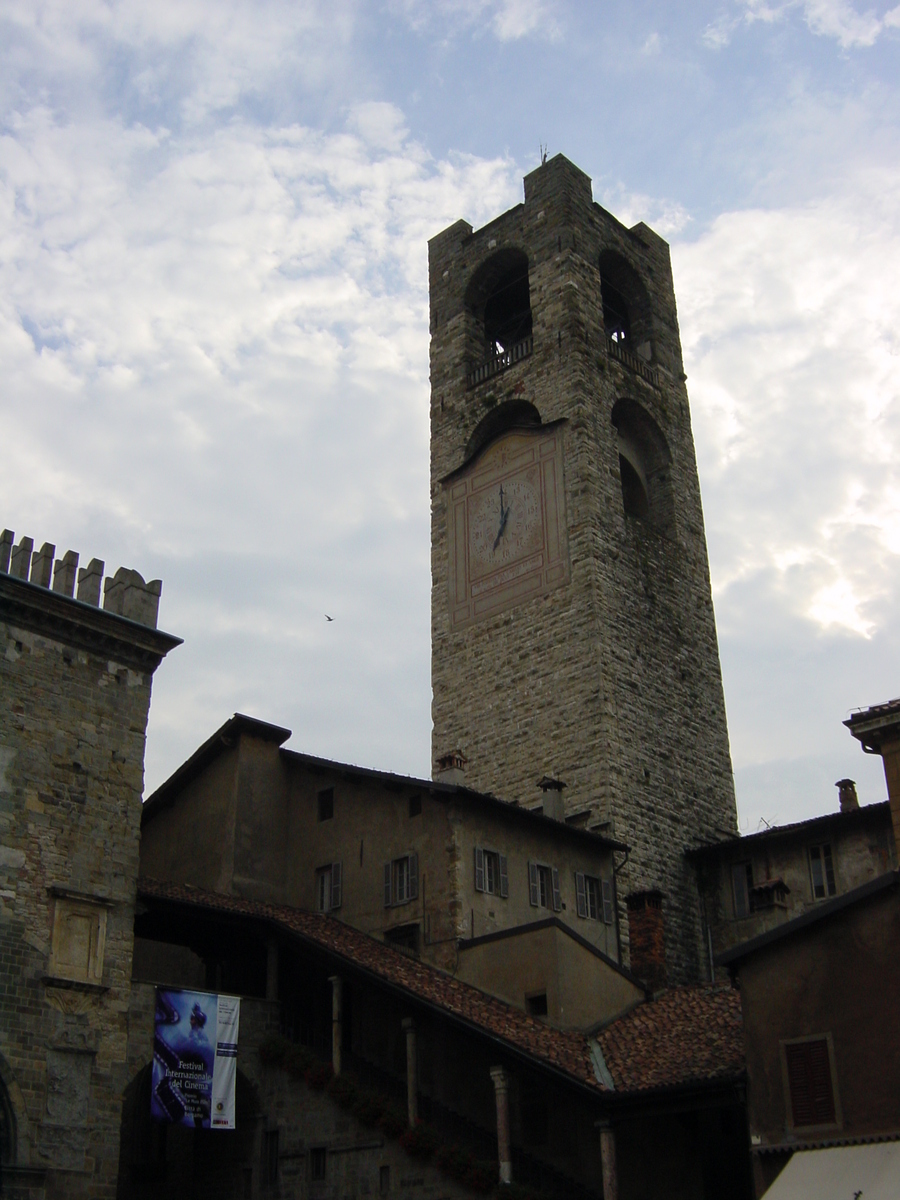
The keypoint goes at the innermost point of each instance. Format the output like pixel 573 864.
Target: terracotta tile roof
pixel 567 1052
pixel 687 1035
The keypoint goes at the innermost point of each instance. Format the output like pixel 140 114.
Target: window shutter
pixel 809 1079
pixel 557 898
pixel 413 876
pixel 533 894
pixel 504 877
pixel 336 885
pixel 739 890
pixel 606 891
pixel 479 869
pixel 580 902
pixel 387 885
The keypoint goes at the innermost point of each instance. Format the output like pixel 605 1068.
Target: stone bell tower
pixel 573 635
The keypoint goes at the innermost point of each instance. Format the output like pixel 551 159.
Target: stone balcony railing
pixel 500 362
pixel 633 362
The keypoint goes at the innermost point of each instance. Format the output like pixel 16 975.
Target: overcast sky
pixel 214 342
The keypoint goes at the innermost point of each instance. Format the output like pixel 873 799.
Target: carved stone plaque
pixel 506 525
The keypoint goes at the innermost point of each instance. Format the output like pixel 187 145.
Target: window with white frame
pixel 491 873
pixel 821 869
pixel 328 887
pixel 543 887
pixel 401 880
pixel 593 898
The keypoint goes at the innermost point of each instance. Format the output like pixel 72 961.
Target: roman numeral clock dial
pixel 507 524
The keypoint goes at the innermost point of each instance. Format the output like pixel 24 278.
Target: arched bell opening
pixel 644 467
pixel 626 306
pixel 498 302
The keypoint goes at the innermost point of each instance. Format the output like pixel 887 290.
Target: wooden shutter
pixel 387 885
pixel 479 869
pixel 606 891
pixel 557 898
pixel 809 1079
pixel 336 885
pixel 533 893
pixel 413 877
pixel 580 899
pixel 504 877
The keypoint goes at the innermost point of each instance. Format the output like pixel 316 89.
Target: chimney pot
pixel 451 768
pixel 847 793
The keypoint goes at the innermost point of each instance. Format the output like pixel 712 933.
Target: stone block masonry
pixel 74 698
pixel 610 681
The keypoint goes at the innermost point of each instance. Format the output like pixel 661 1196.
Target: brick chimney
pixel 647 937
pixel 877 729
pixel 451 768
pixel 847 792
pixel 553 798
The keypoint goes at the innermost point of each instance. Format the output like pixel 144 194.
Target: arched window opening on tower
pixel 507 311
pixel 644 467
pixel 498 300
pixel 626 309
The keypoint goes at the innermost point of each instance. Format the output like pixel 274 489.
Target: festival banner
pixel 195 1058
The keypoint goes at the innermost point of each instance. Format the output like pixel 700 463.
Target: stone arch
pixel 162 1162
pixel 512 414
pixel 644 466
pixel 626 305
pixel 499 299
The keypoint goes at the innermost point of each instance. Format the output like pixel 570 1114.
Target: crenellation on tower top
pixel 125 595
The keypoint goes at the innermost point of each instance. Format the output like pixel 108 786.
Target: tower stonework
pixel 573 634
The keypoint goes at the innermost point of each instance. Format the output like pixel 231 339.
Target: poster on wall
pixel 194 1058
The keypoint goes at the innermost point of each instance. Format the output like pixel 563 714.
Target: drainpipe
pixel 608 1160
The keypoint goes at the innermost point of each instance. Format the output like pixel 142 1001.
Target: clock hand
pixel 503 519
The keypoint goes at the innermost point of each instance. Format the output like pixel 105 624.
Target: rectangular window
pixel 325 804
pixel 741 883
pixel 328 887
pixel 491 872
pixel 810 1083
pixel 821 868
pixel 543 887
pixel 384 1179
pixel 415 805
pixel 401 880
pixel 318 1163
pixel 537 1005
pixel 404 937
pixel 593 897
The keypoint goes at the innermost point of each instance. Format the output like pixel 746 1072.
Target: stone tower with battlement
pixel 74 698
pixel 573 634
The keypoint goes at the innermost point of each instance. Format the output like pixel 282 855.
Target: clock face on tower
pixel 507 535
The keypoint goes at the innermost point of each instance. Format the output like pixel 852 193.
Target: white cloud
pixel 508 20
pixel 215 370
pixel 837 19
pixel 789 323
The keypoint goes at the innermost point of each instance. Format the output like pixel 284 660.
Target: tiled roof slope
pixel 687 1035
pixel 567 1052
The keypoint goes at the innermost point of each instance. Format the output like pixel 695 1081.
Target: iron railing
pixel 633 362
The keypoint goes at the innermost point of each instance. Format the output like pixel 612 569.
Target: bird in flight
pixel 327 618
